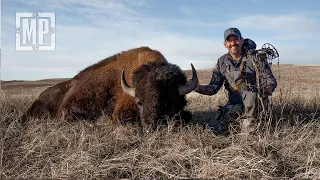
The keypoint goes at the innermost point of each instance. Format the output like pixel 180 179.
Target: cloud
pixel 40 69
pixel 283 27
pixel 79 46
pixel 186 10
pixel 89 32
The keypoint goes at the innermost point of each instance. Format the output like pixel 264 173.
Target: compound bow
pixel 259 57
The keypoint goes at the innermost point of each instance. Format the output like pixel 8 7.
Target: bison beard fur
pixel 155 89
pixel 157 93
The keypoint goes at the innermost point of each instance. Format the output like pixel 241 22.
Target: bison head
pixel 159 90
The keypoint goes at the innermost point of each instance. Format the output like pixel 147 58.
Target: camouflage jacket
pixel 227 71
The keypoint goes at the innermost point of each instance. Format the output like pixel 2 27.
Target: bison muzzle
pixel 159 91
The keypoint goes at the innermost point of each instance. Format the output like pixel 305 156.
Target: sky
pixel 184 31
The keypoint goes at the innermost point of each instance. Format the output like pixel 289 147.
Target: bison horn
pixel 125 87
pixel 189 87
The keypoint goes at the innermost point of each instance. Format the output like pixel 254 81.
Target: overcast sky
pixel 185 31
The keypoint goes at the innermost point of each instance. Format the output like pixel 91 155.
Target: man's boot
pixel 248 125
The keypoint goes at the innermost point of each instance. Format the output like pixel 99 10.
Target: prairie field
pixel 286 144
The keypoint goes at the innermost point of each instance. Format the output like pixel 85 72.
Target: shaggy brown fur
pixel 161 81
pixel 47 102
pixel 96 89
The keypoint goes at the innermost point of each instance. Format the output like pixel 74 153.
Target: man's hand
pixel 268 89
pixel 197 86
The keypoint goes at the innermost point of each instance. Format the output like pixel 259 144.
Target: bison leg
pixel 125 108
pixel 63 107
pixel 47 102
pixel 38 109
pixel 73 108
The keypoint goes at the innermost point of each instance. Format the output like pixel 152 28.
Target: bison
pixel 157 89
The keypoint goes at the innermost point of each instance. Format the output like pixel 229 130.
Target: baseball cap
pixel 232 31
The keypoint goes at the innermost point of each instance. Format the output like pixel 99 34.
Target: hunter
pixel 237 72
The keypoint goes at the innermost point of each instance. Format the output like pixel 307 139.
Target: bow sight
pixel 267 52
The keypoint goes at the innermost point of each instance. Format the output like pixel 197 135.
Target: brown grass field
pixel 285 146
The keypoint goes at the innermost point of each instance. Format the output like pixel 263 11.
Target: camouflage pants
pixel 219 123
pixel 219 120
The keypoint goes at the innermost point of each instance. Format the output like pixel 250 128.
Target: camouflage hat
pixel 232 31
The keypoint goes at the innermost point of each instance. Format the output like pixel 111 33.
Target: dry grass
pixel 286 145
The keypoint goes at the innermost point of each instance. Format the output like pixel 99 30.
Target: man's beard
pixel 234 49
